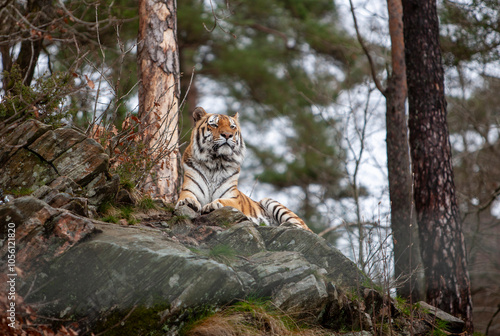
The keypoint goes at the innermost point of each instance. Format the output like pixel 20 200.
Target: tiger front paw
pixel 190 202
pixel 211 207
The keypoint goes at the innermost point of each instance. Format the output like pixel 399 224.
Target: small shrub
pixel 441 328
pixel 127 213
pixel 44 100
pixel 105 207
pixel 147 203
pixel 127 184
pixel 110 219
pixel 403 306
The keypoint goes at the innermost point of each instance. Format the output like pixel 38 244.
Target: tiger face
pixel 217 136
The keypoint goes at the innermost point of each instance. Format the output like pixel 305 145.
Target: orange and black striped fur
pixel 212 163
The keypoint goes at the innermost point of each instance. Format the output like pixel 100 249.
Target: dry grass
pixel 254 320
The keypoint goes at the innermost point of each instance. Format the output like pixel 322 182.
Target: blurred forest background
pixel 311 113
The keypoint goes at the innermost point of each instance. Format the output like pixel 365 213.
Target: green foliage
pixel 110 219
pixel 147 203
pixel 43 100
pixel 403 306
pixel 113 214
pixel 126 212
pixel 169 207
pixel 470 31
pixel 105 207
pixel 440 328
pixel 127 184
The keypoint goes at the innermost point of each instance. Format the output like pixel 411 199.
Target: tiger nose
pixel 227 135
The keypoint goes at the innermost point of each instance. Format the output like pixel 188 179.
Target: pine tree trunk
pixel 158 64
pixel 440 230
pixel 404 228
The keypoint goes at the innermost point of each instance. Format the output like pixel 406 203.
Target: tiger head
pixel 217 136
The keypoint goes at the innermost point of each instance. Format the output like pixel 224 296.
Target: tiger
pixel 211 164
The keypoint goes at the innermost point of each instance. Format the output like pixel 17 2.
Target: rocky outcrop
pixel 74 266
pixel 71 266
pixel 33 155
pixel 118 267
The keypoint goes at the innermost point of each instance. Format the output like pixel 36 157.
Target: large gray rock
pixel 122 267
pixel 453 324
pixel 72 266
pixel 125 266
pixel 33 155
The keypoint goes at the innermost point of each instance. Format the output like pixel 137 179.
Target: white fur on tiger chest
pixel 210 184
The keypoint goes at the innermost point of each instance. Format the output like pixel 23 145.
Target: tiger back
pixel 212 162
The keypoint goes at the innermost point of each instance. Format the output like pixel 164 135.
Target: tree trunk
pixel 440 230
pixel 158 66
pixel 404 229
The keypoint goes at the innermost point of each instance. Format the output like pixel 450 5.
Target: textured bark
pixel 158 64
pixel 440 230
pixel 404 229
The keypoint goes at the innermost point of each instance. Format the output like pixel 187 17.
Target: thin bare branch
pixel 366 51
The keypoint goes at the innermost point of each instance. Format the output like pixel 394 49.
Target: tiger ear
pixel 235 117
pixel 198 113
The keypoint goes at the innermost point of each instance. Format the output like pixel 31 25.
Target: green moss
pixel 112 214
pixel 139 321
pixel 177 219
pixel 354 295
pixel 195 250
pixel 225 223
pixel 18 192
pixel 222 253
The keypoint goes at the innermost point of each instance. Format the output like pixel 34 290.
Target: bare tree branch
pixel 367 53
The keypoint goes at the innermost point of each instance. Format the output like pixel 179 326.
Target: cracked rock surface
pixel 33 155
